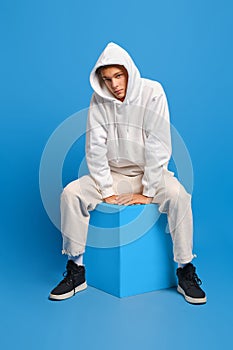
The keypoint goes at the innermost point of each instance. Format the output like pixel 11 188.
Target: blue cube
pixel 128 250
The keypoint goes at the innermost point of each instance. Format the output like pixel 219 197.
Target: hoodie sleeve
pixel 157 144
pixel 96 148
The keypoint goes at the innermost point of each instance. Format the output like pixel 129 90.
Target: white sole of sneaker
pixel 190 299
pixel 69 294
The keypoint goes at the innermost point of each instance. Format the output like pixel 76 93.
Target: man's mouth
pixel 118 92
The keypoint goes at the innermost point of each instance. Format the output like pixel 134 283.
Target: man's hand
pixel 111 199
pixel 128 199
pixel 132 198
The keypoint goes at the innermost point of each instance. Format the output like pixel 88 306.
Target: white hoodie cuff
pixel 107 192
pixel 149 193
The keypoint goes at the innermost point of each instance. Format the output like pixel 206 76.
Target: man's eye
pixel 119 75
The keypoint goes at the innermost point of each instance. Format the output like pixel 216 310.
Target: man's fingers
pixel 130 198
pixel 124 195
pixel 124 198
pixel 110 201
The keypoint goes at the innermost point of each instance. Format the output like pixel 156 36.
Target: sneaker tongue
pixel 71 266
pixel 189 267
pixel 189 271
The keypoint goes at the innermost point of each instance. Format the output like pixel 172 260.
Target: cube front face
pixel 103 269
pixel 138 256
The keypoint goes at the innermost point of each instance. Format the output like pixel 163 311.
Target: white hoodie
pixel 130 137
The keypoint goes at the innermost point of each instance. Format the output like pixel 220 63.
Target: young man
pixel 128 147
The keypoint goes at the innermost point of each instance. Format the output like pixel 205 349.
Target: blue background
pixel 47 51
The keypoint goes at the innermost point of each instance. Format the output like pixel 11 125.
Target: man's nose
pixel 114 83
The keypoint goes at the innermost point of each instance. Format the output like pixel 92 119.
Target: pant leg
pixel 77 199
pixel 173 200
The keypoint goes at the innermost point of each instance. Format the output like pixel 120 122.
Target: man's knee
pixel 176 192
pixel 77 188
pixel 72 189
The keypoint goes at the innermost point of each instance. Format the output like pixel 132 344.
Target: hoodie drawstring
pixel 115 132
pixel 127 103
pixel 116 138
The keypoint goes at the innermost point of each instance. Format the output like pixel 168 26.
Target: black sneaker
pixel 189 285
pixel 73 282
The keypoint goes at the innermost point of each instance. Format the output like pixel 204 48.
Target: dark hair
pixel 99 69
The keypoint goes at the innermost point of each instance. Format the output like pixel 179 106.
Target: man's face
pixel 116 79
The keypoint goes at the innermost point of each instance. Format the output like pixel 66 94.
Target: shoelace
pixel 193 278
pixel 68 278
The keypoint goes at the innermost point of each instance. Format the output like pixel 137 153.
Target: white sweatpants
pixel 82 195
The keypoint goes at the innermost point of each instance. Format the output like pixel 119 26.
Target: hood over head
pixel 114 54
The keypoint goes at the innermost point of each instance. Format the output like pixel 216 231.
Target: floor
pixel 97 320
